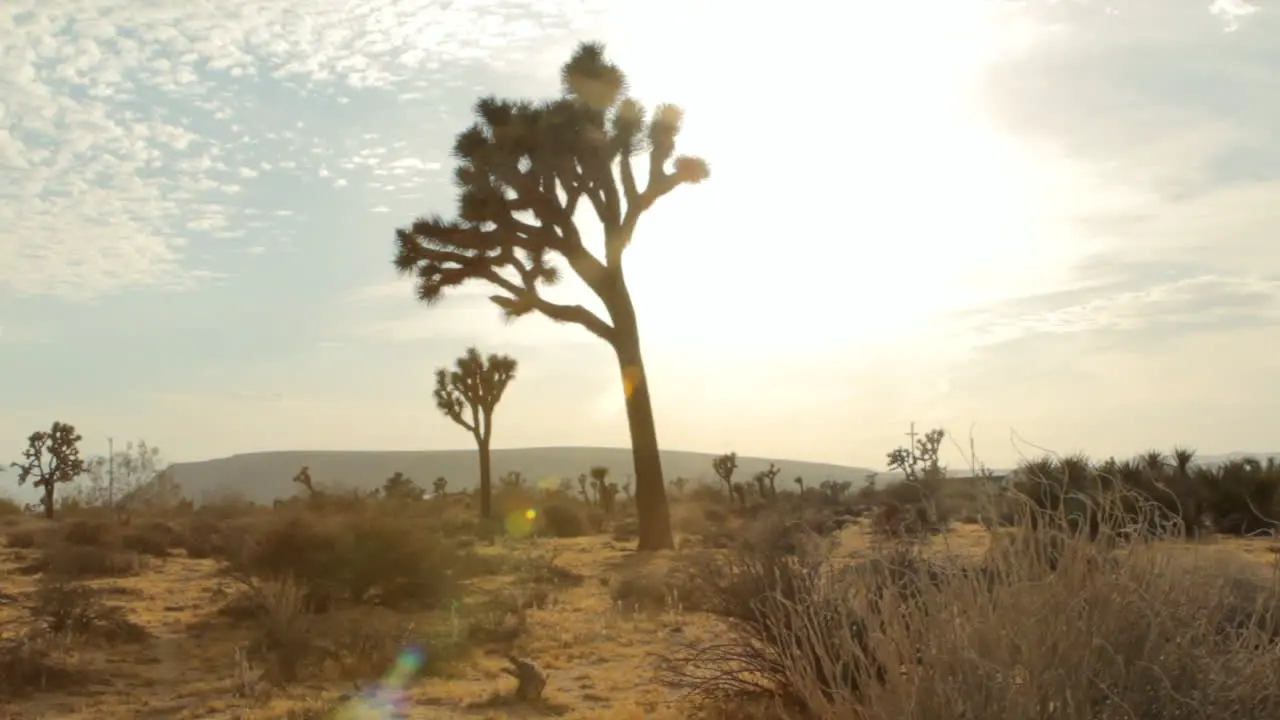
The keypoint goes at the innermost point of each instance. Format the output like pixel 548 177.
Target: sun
pixel 856 189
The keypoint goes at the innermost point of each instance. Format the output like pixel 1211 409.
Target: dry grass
pixel 293 613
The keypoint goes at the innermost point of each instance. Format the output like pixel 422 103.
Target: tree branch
pixel 525 299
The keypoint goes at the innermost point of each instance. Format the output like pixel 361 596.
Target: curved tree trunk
pixel 486 481
pixel 650 488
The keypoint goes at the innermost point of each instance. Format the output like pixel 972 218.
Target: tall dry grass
pixel 1061 620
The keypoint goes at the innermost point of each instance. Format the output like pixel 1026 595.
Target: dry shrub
pixel 78 610
pixel 20 539
pixel 364 556
pixel 1051 624
pixel 285 638
pixel 35 662
pixel 91 533
pixel 153 539
pixel 10 508
pixel 81 561
pixel 562 520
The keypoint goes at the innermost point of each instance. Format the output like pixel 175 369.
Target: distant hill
pixel 263 477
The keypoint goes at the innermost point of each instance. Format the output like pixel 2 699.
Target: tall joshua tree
pixel 523 171
pixel 467 395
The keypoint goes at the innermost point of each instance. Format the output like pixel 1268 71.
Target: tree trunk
pixel 650 489
pixel 486 480
pixel 48 500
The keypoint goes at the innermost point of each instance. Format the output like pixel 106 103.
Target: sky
pixel 1043 224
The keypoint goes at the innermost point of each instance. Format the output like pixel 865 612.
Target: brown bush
pixel 30 663
pixel 20 540
pixel 1049 623
pixel 153 539
pixel 78 610
pixel 10 508
pixel 562 520
pixel 90 533
pixel 80 561
pixel 360 557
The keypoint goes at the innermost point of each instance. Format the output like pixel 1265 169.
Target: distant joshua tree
pixel 525 169
pixel 51 458
pixel 725 466
pixel 303 478
pixel 439 486
pixel 468 395
pixel 766 479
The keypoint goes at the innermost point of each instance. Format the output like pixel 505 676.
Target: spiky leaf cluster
pixel 469 392
pixel 523 169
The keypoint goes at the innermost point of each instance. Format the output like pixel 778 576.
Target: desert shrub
pixel 80 561
pixel 90 533
pixel 152 538
pixel 355 558
pixel 286 639
pixel 562 520
pixel 10 507
pixel 20 539
pixel 205 538
pixel 1051 623
pixel 1241 496
pixel 78 610
pixel 30 663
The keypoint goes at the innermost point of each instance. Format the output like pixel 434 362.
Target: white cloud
pixel 102 148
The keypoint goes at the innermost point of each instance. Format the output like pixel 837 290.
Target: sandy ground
pixel 597 654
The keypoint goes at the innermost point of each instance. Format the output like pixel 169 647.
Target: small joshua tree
pixel 303 478
pixel 439 486
pixel 525 170
pixel 921 461
pixel 762 484
pixel 582 488
pixel 799 481
pixel 599 476
pixel 51 458
pixel 767 478
pixel 725 465
pixel 680 483
pixel 468 395
pixel 608 497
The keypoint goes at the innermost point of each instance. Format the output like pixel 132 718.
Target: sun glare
pixel 853 176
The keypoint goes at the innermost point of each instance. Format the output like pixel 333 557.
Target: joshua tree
pixel 761 481
pixel 725 465
pixel 52 457
pixel 439 486
pixel 467 395
pixel 523 169
pixel 512 480
pixel 680 483
pixel 767 478
pixel 799 481
pixel 599 475
pixel 582 488
pixel 303 478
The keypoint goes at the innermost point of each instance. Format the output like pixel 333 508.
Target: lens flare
pixel 519 524
pixel 388 698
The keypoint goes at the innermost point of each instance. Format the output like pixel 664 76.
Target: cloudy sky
pixel 1049 219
